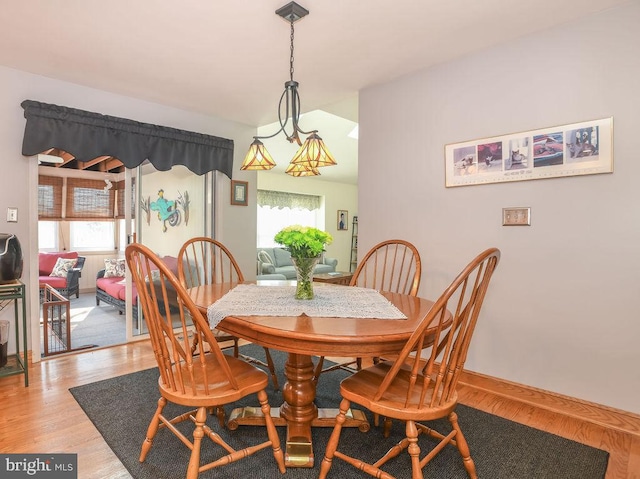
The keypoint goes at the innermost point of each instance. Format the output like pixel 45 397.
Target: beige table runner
pixel 332 301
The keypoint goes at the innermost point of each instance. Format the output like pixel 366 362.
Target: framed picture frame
pixel 343 220
pixel 584 148
pixel 239 192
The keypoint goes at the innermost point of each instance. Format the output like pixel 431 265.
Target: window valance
pixel 88 135
pixel 281 199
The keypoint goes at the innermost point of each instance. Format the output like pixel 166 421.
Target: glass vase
pixel 304 276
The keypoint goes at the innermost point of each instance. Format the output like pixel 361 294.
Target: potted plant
pixel 305 245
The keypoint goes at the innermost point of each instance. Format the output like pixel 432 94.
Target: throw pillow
pixel 62 267
pixel 46 261
pixel 114 268
pixel 283 257
pixel 268 269
pixel 264 257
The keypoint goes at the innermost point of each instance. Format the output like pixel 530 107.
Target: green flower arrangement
pixel 305 245
pixel 303 241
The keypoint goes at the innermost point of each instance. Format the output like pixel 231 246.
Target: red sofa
pixel 66 285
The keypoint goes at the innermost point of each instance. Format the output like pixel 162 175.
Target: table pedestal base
pixel 298 449
pixel 299 412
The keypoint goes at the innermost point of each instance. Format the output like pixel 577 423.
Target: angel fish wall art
pixel 170 211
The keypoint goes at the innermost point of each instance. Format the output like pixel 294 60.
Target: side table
pixel 16 364
pixel 338 277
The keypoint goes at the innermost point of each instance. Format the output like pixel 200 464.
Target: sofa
pixel 61 271
pixel 111 284
pixel 277 261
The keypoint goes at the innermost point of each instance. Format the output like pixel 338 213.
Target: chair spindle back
pixel 391 266
pixel 204 260
pixel 173 321
pixel 434 378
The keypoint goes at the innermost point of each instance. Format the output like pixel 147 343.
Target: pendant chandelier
pixel 313 153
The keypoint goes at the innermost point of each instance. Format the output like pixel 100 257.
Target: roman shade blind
pixel 49 197
pixel 120 192
pixel 89 200
pixel 88 135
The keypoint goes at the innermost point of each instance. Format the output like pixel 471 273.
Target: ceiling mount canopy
pixel 89 135
pixel 313 153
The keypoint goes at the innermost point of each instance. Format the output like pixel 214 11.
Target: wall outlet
pixel 516 216
pixel 12 215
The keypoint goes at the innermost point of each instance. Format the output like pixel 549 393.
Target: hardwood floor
pixel 45 418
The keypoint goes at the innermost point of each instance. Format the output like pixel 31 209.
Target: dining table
pixel 368 333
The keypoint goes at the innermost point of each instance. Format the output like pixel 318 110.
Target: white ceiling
pixel 230 58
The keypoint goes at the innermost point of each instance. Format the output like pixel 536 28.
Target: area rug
pixel 122 407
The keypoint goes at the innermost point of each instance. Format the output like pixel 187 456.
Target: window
pixel 92 235
pixel 278 209
pixel 90 204
pixel 48 235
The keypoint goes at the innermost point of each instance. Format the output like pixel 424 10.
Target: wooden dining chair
pixel 418 388
pixel 202 379
pixel 392 266
pixel 203 260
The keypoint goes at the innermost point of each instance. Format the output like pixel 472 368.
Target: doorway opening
pixel 163 210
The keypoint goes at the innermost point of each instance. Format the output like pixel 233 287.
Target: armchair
pixel 73 278
pixel 67 284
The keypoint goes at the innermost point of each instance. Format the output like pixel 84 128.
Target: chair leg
pixel 278 454
pixel 318 370
pixel 198 434
pixel 414 450
pixel 272 369
pixel 152 429
pixel 194 345
pixel 218 411
pixel 386 429
pixel 332 445
pixel 463 447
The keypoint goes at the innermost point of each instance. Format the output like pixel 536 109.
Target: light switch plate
pixel 12 215
pixel 516 216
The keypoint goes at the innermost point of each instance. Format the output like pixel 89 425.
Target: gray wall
pixel 563 313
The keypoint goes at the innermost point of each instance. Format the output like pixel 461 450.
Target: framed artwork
pixel 568 150
pixel 239 192
pixel 343 220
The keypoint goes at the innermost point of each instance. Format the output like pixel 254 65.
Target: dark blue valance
pixel 87 135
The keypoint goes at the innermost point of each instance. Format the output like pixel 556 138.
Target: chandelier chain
pixel 291 57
